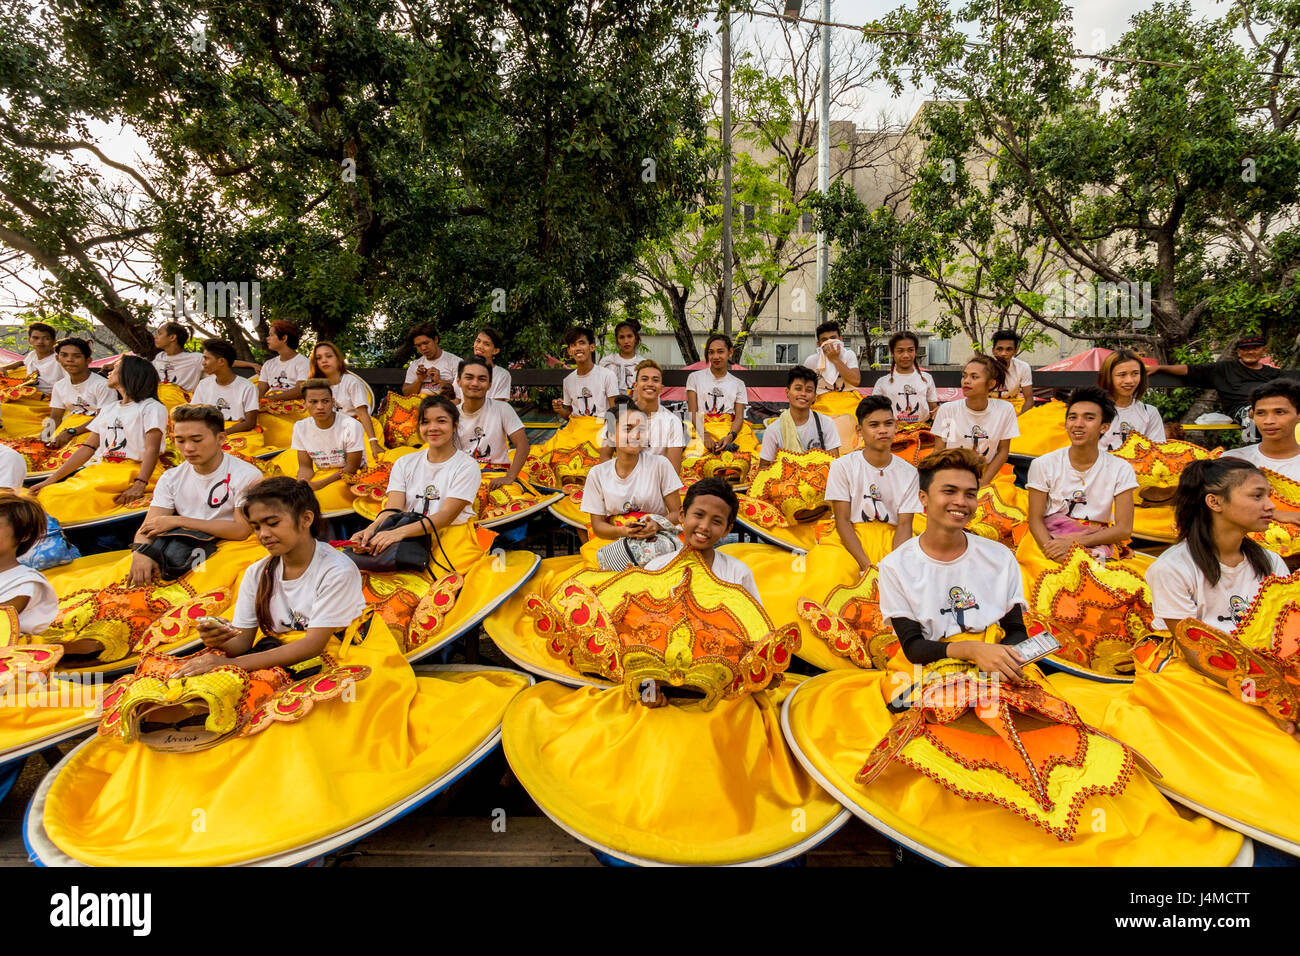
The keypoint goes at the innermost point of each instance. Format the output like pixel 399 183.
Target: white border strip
pixel 1253 833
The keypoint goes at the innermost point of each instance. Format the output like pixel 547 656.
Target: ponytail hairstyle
pixel 447 405
pixel 297 498
pixel 997 372
pixel 1195 521
pixel 632 324
pixel 894 340
pixel 1106 374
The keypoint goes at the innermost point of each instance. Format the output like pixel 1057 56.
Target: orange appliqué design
pixel 849 622
pixel 997 519
pixel 1158 464
pixel 399 419
pixel 912 442
pixel 412 605
pixel 564 470
pixel 790 491
pixel 20 661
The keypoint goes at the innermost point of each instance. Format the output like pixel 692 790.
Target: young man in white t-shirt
pixel 176 366
pixel 911 390
pixel 946 582
pixel 1020 377
pixel 79 392
pixel 590 389
pixel 433 368
pixel 327 440
pixel 834 362
pixel 1080 494
pixel 874 484
pixel 487 427
pixel 665 432
pixel 708 515
pixel 1275 409
pixel 487 346
pixel 715 391
pixel 281 375
pixel 203 494
pixel 234 397
pixel 799 428
pixel 41 361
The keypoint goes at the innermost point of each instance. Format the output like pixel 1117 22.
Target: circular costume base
pixel 780 537
pixel 115 669
pixel 568 512
pixel 1065 667
pixel 108 519
pixel 1254 833
pixel 523 564
pixel 998 828
pixel 8 774
pixel 42 851
pixel 506 521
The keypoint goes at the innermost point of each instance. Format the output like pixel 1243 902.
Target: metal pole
pixel 726 170
pixel 824 152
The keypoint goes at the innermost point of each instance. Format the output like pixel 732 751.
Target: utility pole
pixel 726 170
pixel 824 154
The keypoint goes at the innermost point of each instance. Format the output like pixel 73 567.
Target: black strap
pixel 817 421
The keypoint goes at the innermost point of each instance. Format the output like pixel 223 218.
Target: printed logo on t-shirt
pixel 431 494
pixel 296 622
pixel 1125 429
pixel 168 376
pixel 629 377
pixel 334 458
pixel 714 403
pixel 81 406
pixel 476 446
pixel 873 497
pixel 1237 608
pixel 588 407
pixel 115 437
pixel 280 381
pixel 1078 498
pixel 223 407
pixel 977 434
pixel 959 602
pixel 219 493
pixel 909 410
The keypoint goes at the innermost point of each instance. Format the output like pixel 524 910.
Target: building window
pixel 787 353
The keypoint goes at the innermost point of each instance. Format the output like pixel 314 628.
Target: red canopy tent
pixel 1089 361
pixel 7 356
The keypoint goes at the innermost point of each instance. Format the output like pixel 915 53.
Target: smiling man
pixel 1233 378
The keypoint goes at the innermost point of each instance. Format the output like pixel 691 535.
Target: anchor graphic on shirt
pixel 223 407
pixel 296 622
pixel 977 433
pixel 714 403
pixel 1077 498
pixel 588 406
pixel 114 444
pixel 1237 608
pixel 476 448
pixel 1124 430
pixel 959 602
pixel 431 494
pixel 908 409
pixel 873 496
pixel 167 377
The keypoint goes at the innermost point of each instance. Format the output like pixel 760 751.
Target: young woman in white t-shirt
pixel 281 376
pixel 438 483
pixel 635 479
pixel 1018 384
pixel 1123 376
pixel 22 522
pixel 911 390
pixel 983 424
pixel 715 391
pixel 302 584
pixel 127 431
pixel 327 362
pixel 946 582
pixel 624 362
pixel 666 434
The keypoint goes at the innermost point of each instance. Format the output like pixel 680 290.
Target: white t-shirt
pixel 122 427
pixel 499 389
pixel 653 478
pixel 281 375
pixel 590 394
pixel 1019 374
pixel 426 484
pixel 1086 495
pixel 1179 589
pixel 716 395
pixel 212 497
pixel 910 393
pixel 350 394
pixel 960 427
pixel 84 399
pixel 13 468
pixel 964 595
pixel 828 376
pixel 624 370
pixel 327 594
pixel 1287 467
pixel 725 568
pixel 234 401
pixel 485 435
pixel 829 440
pixel 328 447
pixel 446 364
pixel 183 369
pixel 48 370
pixel 874 494
pixel 1135 417
pixel 42 604
pixel 664 430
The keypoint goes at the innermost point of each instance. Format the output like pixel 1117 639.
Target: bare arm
pixel 844 525
pixel 995 464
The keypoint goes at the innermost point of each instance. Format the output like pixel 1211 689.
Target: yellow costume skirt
pixel 842 407
pixel 1042 429
pixel 277 420
pixel 171 395
pixel 1225 758
pixel 1033 563
pixel 32 718
pixel 512 631
pixel 784 578
pixel 42 459
pixel 22 418
pixel 87 495
pixel 833 721
pixel 335 498
pixel 569 510
pixel 579 430
pixel 1155 524
pixel 96 601
pixel 669 785
pixel 250 443
pixel 285 788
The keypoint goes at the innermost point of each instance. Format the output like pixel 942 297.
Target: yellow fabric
pixel 1042 429
pixel 22 419
pixel 277 427
pixel 335 496
pixel 1218 752
pixel 837 718
pixel 673 784
pixel 291 784
pixel 26 718
pixel 171 395
pixel 719 426
pixel 88 494
pixel 251 443
pixel 511 628
pixel 838 403
pixel 570 512
pixel 784 578
pixel 1155 524
pixel 579 429
pixel 1033 563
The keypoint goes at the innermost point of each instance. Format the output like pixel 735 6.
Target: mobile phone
pixel 1037 647
pixel 214 621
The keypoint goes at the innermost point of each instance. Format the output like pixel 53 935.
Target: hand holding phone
pixel 1037 647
